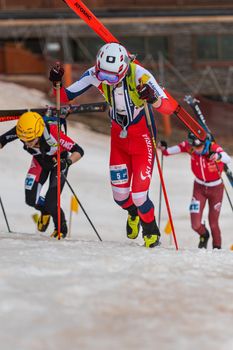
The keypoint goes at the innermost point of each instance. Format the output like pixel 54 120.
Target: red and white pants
pixel 131 167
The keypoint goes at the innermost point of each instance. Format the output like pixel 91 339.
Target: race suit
pixel 42 167
pixel 208 186
pixel 132 153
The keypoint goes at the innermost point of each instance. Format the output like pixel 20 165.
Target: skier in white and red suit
pixel 207 163
pixel 40 140
pixel 125 85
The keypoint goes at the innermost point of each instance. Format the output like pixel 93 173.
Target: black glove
pixel 65 164
pixel 56 73
pixel 147 93
pixel 216 157
pixel 162 145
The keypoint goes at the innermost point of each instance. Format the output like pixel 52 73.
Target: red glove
pixel 147 93
pixel 56 73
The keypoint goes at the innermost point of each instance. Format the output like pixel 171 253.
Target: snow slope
pixel 81 293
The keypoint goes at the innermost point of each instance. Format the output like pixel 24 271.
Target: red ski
pixel 94 23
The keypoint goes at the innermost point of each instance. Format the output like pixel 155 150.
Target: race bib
pixel 194 206
pixel 29 181
pixel 119 174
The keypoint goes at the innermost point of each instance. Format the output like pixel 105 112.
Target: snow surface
pixel 81 293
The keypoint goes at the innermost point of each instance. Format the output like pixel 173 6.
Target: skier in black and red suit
pixel 40 140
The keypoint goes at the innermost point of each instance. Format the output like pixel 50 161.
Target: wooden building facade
pixel 94 4
pixel 190 53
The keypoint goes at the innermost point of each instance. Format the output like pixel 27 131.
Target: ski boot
pixel 133 222
pixel 204 240
pixel 63 232
pixel 132 226
pixel 43 222
pixel 151 234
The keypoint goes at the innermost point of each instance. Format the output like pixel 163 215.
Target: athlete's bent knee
pixel 139 198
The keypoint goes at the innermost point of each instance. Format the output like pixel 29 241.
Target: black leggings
pixel 35 179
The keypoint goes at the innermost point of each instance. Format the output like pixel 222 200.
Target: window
pixel 85 49
pixel 214 47
pixel 135 45
pixel 158 44
pixel 53 49
pixel 34 45
pixel 227 47
pixel 146 45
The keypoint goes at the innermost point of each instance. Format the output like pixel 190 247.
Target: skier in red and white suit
pixel 207 163
pixel 125 85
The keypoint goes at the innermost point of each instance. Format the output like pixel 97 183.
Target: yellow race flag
pixel 168 228
pixel 74 204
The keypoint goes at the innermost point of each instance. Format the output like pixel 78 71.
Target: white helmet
pixel 112 63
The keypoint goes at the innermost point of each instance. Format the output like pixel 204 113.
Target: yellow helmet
pixel 30 126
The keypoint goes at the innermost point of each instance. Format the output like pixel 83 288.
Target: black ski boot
pixel 133 222
pixel 204 240
pixel 151 234
pixel 63 232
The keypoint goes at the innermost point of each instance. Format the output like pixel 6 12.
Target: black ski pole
pixel 228 196
pixel 92 225
pixel 4 213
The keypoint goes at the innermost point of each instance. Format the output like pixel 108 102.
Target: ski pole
pixel 148 117
pixel 58 111
pixel 4 214
pixel 228 196
pixel 160 193
pixel 81 206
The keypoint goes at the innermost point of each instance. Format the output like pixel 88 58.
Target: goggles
pixel 111 78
